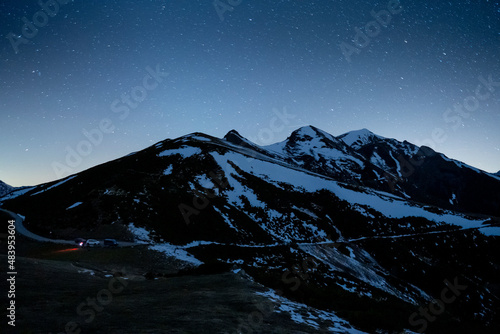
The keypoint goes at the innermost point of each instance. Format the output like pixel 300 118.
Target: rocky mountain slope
pixel 365 231
pixel 5 188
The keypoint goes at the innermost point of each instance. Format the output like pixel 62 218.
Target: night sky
pixel 97 80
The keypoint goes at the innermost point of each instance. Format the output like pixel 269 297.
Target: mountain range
pixel 365 231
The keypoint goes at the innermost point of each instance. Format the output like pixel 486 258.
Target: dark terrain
pixel 53 280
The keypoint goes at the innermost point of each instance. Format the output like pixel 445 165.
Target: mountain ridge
pixel 312 219
pixel 363 158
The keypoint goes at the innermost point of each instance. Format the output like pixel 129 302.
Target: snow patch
pixel 169 170
pixel 86 271
pixel 143 236
pixel 453 199
pixel 205 182
pixel 398 166
pixel 184 151
pixel 177 252
pixel 379 162
pixel 490 231
pixel 74 205
pixel 309 316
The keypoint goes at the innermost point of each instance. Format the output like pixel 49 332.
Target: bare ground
pixel 61 289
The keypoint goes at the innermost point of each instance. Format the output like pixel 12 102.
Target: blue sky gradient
pixel 123 75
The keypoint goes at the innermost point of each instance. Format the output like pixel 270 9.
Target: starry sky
pixel 85 82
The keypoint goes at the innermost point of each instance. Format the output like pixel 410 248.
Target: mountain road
pixel 21 229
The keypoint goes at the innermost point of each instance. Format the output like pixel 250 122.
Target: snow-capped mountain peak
pixel 312 133
pixel 358 138
pixel 308 139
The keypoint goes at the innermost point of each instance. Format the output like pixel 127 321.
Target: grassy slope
pixel 51 284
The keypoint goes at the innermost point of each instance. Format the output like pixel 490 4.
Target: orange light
pixel 66 250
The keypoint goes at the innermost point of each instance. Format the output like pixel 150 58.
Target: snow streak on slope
pixel 74 205
pixel 55 185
